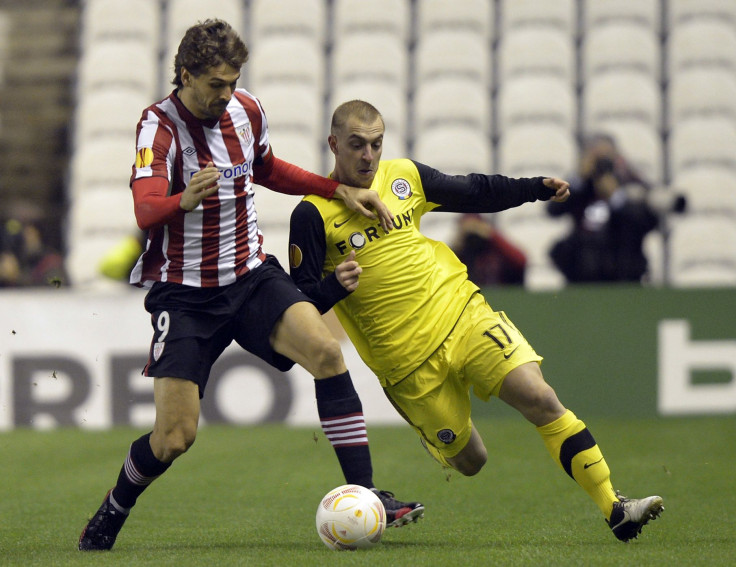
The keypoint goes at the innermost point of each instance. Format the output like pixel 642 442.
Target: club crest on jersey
pixel 245 134
pixel 158 349
pixel 447 436
pixel 401 188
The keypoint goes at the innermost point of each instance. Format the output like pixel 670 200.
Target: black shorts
pixel 192 326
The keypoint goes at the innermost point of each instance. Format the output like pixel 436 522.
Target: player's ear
pixel 186 77
pixel 332 142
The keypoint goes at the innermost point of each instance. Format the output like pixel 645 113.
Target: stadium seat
pixel 679 11
pixel 104 161
pixel 702 251
pixel 391 17
pixel 119 64
pixel 640 143
pixel 536 51
pixel 708 190
pixel 287 59
pixel 455 149
pixel 448 100
pixel 620 45
pixel 531 98
pixel 621 94
pixel 451 52
pixel 561 15
pixel 704 92
pixel 533 149
pixel 102 208
pixel 108 111
pixel 104 20
pixel 297 148
pixel 293 107
pixel 536 236
pixel 701 43
pixel 474 16
pixel 702 141
pixel 377 55
pixel 288 17
pixel 646 13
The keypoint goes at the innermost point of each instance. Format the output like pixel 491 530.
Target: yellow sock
pixel 572 446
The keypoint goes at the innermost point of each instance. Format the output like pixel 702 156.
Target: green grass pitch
pixel 248 495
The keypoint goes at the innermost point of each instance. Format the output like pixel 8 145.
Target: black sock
pixel 341 416
pixel 140 469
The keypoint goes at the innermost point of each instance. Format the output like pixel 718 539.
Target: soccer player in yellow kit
pixel 422 327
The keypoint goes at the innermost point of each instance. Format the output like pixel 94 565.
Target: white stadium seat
pixel 702 251
pixel 474 16
pixel 536 51
pixel 448 100
pixel 704 92
pixel 617 46
pixel 646 13
pixel 291 107
pixel 621 94
pixel 699 44
pixel 455 149
pixel 138 20
pixel 560 14
pixel 377 16
pixel 286 59
pixel 124 64
pixel 453 52
pixel 709 190
pixel 288 17
pixel 108 111
pixel 532 98
pixel 702 141
pixel 377 56
pixel 534 149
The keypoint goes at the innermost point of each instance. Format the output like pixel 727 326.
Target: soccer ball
pixel 350 517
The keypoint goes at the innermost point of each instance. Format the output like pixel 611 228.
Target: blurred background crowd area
pixel 633 101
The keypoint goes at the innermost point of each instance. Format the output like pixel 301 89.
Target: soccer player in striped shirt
pixel 199 152
pixel 421 325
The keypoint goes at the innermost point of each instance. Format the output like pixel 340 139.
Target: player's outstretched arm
pixel 365 201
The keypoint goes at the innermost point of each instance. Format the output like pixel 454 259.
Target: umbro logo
pixel 189 151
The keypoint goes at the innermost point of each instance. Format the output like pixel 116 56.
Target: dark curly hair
pixel 209 44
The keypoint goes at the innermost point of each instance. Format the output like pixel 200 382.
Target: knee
pixel 470 464
pixel 174 443
pixel 327 357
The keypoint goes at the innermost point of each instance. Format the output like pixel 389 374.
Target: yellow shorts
pixel 483 347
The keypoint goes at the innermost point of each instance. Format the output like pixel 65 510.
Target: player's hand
pixel 201 185
pixel 348 272
pixel 561 188
pixel 367 203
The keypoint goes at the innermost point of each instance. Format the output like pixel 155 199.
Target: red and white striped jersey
pixel 219 240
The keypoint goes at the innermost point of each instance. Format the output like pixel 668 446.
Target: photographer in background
pixel 612 212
